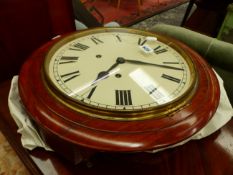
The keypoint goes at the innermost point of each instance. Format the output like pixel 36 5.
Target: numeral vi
pixel 123 97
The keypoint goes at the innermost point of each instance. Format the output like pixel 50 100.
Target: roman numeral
pixel 70 76
pixel 123 97
pixel 159 50
pixel 91 92
pixel 79 47
pixel 171 78
pixel 118 38
pixel 68 59
pixel 171 62
pixel 141 42
pixel 96 40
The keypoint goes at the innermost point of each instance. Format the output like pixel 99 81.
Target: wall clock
pixel 117 89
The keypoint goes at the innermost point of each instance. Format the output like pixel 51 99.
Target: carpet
pixel 127 14
pixel 10 164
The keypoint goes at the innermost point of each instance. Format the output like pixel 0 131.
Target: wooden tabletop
pixel 212 155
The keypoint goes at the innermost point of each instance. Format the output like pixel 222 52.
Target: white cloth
pixel 80 26
pixel 222 115
pixel 31 139
pixel 29 136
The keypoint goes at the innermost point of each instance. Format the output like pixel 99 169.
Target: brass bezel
pixel 167 109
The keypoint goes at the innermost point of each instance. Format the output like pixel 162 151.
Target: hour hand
pixel 103 75
pixel 100 76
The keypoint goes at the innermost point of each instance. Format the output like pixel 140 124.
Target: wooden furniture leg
pixel 188 10
pixel 118 4
pixel 139 5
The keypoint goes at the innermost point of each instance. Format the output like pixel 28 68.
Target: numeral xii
pixel 96 40
pixel 141 42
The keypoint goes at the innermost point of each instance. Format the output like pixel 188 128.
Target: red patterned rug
pixel 127 14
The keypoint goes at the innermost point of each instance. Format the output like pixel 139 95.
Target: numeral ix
pixel 68 59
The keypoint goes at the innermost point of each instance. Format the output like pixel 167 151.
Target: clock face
pixel 119 70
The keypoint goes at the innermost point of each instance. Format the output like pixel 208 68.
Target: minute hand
pixel 152 64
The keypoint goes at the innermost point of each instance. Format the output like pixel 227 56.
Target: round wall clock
pixel 118 89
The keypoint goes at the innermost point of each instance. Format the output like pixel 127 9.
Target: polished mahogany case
pixel 83 135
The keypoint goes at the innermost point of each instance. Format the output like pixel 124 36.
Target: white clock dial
pixel 119 70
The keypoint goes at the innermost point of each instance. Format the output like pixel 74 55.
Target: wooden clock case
pixel 77 137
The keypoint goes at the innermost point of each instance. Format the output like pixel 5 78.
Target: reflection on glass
pixel 86 87
pixel 150 86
